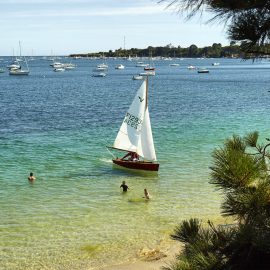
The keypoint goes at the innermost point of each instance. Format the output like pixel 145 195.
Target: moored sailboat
pixel 135 135
pixel 18 69
pixel 150 67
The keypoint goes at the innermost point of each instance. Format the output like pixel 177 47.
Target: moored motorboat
pixel 69 66
pixel 203 70
pixel 148 73
pixel 120 66
pixel 18 72
pixel 149 68
pixel 141 64
pixel 59 69
pixel 57 65
pixel 138 77
pixel 101 74
pixel 103 65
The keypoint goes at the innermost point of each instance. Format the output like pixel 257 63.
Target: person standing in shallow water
pixel 31 177
pixel 124 186
pixel 146 194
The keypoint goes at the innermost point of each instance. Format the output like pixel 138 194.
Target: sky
pixel 63 27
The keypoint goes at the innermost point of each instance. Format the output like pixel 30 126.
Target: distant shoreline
pixel 216 50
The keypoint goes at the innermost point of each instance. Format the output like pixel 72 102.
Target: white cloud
pixel 45 1
pixel 55 23
pixel 112 3
pixel 82 12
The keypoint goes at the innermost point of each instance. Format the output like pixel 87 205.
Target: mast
pixel 26 63
pixel 146 93
pixel 20 49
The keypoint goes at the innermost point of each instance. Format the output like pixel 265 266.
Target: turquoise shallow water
pixel 57 125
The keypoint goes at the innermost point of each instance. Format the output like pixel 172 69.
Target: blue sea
pixel 57 125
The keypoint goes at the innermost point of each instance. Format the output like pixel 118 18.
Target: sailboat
pixel 15 64
pixel 135 135
pixel 174 64
pixel 20 70
pixel 103 66
pixel 151 65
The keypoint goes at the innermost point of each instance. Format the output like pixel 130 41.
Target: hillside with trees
pixel 214 51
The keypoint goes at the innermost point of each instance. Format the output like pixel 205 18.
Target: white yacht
pixel 59 69
pixel 103 65
pixel 14 65
pixel 69 66
pixel 120 66
pixel 137 77
pixel 16 68
pixel 56 65
pixel 148 73
pixel 101 74
pixel 141 64
pixel 20 71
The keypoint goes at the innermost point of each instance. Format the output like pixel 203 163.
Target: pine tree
pixel 240 171
pixel 248 21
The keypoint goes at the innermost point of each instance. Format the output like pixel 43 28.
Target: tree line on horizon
pixel 214 51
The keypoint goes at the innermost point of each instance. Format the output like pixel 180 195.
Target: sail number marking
pixel 133 121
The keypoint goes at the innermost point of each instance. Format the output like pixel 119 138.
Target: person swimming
pixel 31 177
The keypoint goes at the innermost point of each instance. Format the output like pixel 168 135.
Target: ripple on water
pixel 74 216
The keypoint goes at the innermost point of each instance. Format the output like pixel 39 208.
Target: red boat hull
pixel 137 165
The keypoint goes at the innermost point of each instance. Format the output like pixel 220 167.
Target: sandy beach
pixel 150 259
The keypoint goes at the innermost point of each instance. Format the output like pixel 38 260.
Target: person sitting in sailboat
pixel 135 157
pixel 132 156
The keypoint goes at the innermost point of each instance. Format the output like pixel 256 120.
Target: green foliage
pixel 248 21
pixel 251 139
pixel 214 51
pixel 240 170
pixel 177 265
pixel 187 231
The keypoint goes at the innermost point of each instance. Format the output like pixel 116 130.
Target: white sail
pixel 146 146
pixel 135 133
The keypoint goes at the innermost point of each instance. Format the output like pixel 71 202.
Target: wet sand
pixel 150 259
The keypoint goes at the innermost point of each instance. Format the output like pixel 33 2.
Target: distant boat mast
pixel 20 48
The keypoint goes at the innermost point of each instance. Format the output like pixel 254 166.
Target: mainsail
pixel 135 133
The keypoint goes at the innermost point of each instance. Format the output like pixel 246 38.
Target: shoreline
pixel 163 254
pixel 150 259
